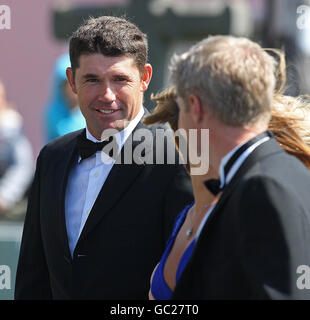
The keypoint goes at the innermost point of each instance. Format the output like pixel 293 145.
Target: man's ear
pixel 70 77
pixel 196 109
pixel 146 76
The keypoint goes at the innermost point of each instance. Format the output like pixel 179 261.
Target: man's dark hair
pixel 110 36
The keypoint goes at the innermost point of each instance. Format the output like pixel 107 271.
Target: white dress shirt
pixel 225 180
pixel 86 180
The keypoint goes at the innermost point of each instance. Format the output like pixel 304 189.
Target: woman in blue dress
pixel 186 229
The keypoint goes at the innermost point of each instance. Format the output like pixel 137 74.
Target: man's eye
pixel 120 79
pixel 92 80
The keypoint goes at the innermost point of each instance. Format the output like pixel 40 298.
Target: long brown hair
pixel 290 123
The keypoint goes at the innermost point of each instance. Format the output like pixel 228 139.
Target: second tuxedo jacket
pixel 258 234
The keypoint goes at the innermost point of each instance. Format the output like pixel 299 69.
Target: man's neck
pixel 201 193
pixel 226 138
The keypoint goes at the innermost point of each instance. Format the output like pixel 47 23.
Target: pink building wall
pixel 27 55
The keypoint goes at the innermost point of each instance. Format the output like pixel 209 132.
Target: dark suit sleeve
pixel 32 278
pixel 273 239
pixel 179 193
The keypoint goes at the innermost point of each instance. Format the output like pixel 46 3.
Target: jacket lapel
pixel 120 179
pixel 65 163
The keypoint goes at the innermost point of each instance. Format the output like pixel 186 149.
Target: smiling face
pixel 109 89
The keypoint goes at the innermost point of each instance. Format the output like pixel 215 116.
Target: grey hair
pixel 233 77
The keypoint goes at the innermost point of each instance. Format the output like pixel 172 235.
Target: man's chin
pixel 118 124
pixel 115 126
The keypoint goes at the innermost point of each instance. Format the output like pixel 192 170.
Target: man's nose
pixel 107 94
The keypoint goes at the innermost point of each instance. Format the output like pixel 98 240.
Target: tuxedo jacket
pixel 257 235
pixel 122 239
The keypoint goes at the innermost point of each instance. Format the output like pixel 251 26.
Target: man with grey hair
pixel 251 244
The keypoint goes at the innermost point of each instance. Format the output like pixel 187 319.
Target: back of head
pixel 233 78
pixel 110 36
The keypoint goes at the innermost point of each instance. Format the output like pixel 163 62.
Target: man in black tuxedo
pixel 254 239
pixel 96 222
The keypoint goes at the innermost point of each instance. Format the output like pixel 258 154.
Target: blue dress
pixel 159 287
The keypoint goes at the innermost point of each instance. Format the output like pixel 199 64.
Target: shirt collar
pixel 225 180
pixel 121 136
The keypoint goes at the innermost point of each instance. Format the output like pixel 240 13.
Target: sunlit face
pixel 183 120
pixel 109 89
pixel 187 122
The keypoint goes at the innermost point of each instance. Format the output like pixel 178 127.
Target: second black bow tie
pixel 87 148
pixel 213 185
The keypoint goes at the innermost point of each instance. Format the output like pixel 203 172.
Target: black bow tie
pixel 87 148
pixel 213 185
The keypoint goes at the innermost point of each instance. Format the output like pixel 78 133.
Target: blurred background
pixel 36 105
